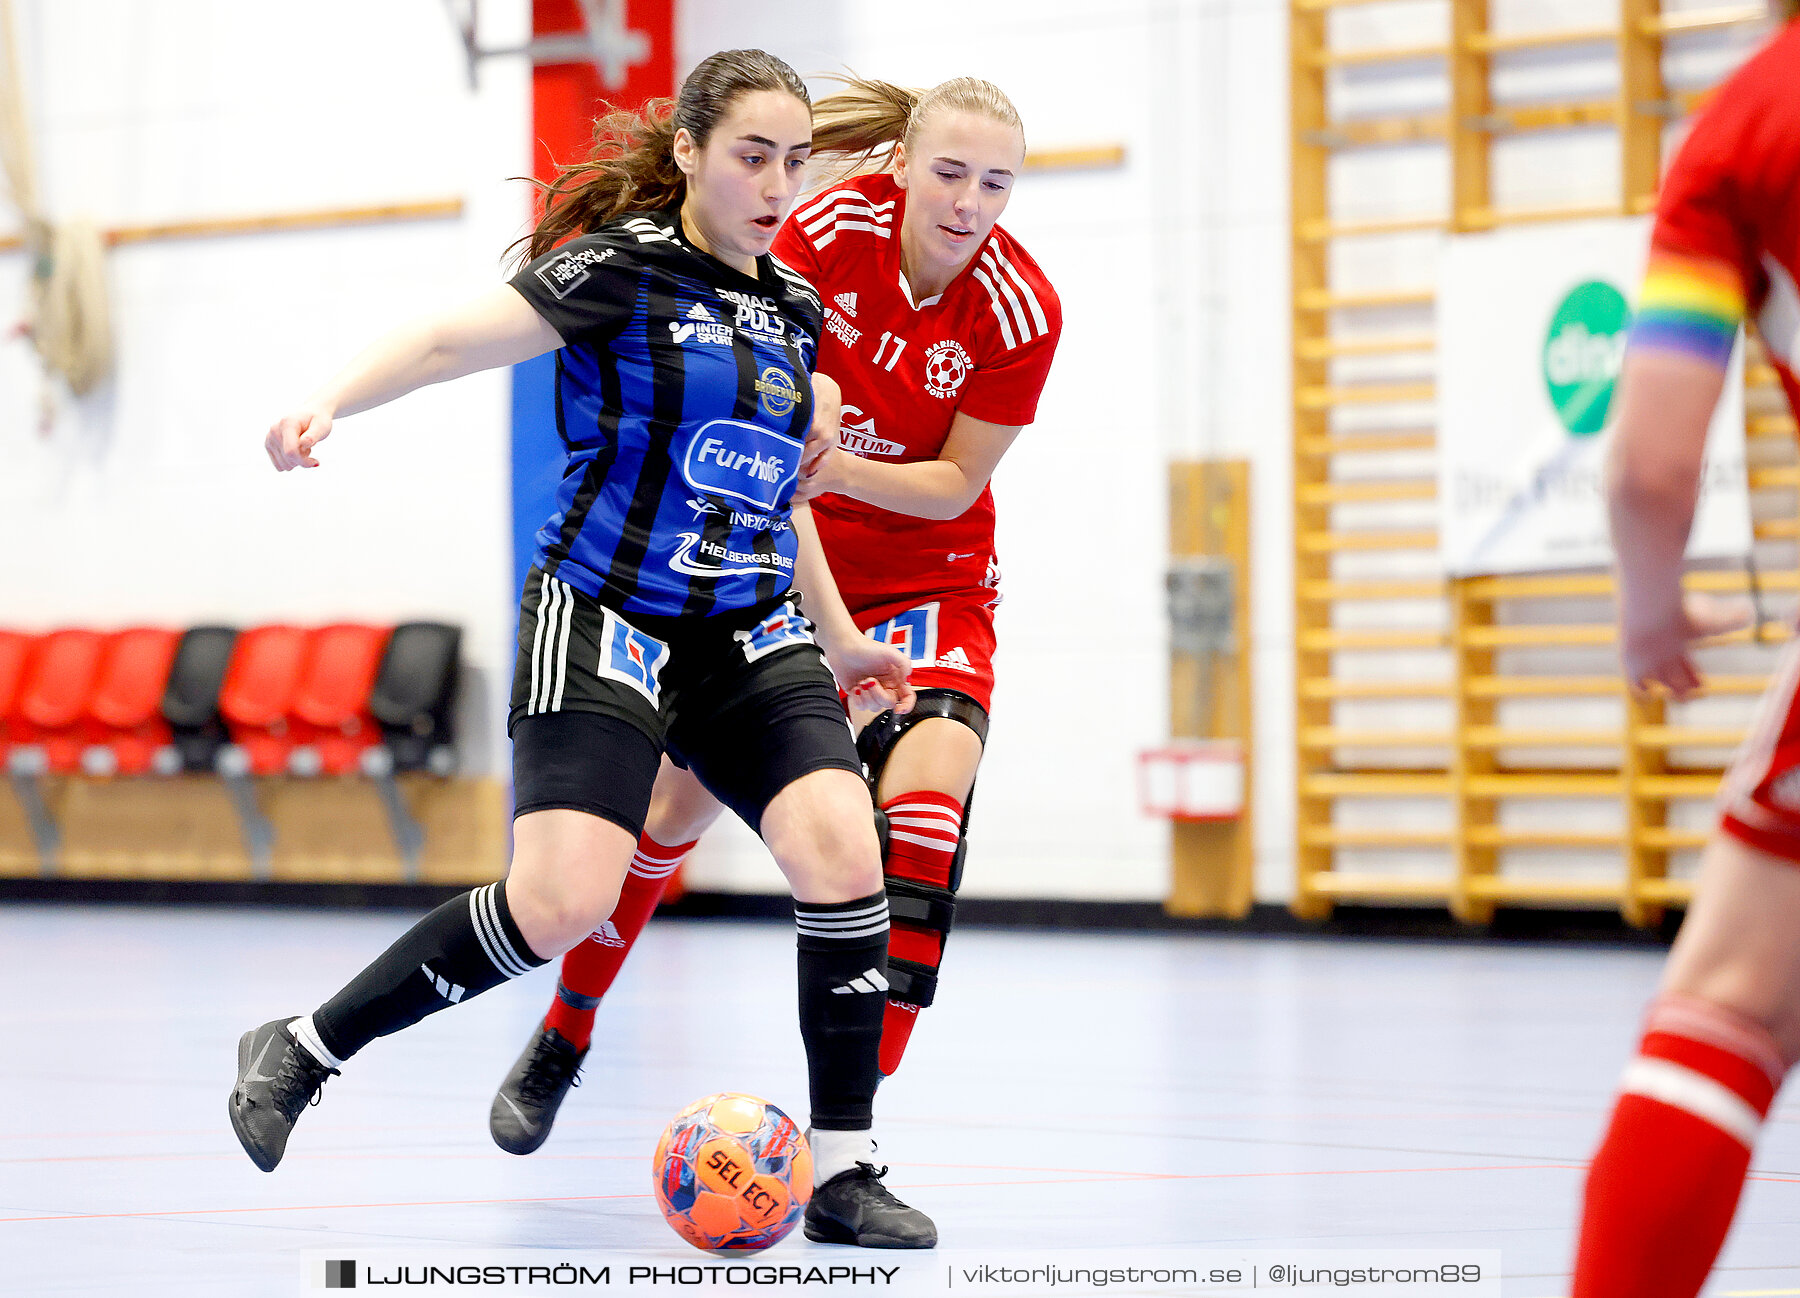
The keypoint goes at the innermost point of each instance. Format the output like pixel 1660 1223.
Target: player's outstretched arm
pixel 873 674
pixel 498 328
pixel 939 489
pixel 1652 483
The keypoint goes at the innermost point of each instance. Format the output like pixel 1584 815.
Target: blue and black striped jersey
pixel 683 395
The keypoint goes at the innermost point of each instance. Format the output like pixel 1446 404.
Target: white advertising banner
pixel 1531 330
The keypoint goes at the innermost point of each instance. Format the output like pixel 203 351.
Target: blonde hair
pixel 866 119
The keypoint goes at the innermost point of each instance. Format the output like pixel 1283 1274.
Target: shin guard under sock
pixel 590 966
pixel 924 831
pixel 842 955
pixel 463 948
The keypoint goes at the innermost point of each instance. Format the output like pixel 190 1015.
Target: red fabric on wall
pixel 566 97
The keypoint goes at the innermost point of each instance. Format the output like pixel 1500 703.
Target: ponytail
pixel 864 118
pixel 631 167
pixel 868 118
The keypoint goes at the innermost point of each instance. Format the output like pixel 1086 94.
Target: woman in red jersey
pixel 939 329
pixel 1724 1029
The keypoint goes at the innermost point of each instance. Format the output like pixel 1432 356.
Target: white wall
pixel 152 500
pixel 812 35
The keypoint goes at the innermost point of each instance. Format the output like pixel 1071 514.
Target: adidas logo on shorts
pixel 956 660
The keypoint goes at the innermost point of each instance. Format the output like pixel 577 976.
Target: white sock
pixel 838 1151
pixel 308 1036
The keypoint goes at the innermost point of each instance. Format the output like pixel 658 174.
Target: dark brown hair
pixel 631 167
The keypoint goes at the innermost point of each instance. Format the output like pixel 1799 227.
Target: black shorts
pixel 743 699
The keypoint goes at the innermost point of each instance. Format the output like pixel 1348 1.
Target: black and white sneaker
pixel 277 1078
pixel 854 1207
pixel 525 1105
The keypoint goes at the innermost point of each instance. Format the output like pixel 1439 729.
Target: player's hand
pixel 821 438
pixel 292 438
pixel 816 477
pixel 828 473
pixel 1659 651
pixel 873 675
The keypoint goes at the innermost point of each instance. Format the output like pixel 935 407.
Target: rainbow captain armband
pixel 1690 305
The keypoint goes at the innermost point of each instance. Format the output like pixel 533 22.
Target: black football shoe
pixel 854 1207
pixel 277 1078
pixel 525 1105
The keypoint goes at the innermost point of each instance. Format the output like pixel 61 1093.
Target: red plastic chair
pixel 125 713
pixel 16 650
pixel 53 698
pixel 258 695
pixel 333 697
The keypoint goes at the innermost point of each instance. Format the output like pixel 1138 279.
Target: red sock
pixel 923 832
pixel 1662 1189
pixel 590 967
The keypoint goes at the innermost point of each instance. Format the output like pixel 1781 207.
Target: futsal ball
pixel 733 1172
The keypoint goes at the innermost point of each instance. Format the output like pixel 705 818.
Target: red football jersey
pixel 1728 219
pixel 982 346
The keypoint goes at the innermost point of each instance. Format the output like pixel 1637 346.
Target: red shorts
pixel 1759 798
pixel 950 639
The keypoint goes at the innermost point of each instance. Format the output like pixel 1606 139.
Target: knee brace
pixel 877 740
pixel 918 905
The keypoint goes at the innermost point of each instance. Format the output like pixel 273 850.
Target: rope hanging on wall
pixel 68 318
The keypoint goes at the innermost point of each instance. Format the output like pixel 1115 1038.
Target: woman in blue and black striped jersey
pixel 660 614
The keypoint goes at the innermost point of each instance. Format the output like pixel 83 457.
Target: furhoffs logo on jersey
pixel 947 367
pixel 569 269
pixel 779 395
pixel 740 461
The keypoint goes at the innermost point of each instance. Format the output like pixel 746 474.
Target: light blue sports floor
pixel 1068 1090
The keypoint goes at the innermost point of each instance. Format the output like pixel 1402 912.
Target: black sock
pixel 843 995
pixel 460 950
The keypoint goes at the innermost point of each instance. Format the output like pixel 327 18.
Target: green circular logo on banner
pixel 1583 353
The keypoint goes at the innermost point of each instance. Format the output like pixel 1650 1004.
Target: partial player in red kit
pixel 939 330
pixel 1724 1029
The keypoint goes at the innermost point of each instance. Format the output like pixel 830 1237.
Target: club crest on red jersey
pixel 947 368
